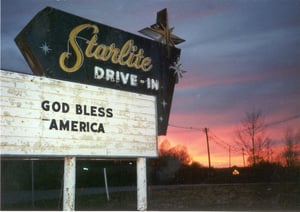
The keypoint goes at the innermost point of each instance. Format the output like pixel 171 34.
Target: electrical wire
pixel 220 142
pixel 186 128
pixel 283 120
pixel 267 125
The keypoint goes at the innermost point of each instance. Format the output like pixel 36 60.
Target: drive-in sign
pixel 63 46
pixel 107 93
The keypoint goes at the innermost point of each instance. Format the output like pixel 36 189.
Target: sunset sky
pixel 239 56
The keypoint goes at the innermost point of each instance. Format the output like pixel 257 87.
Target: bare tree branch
pixel 251 136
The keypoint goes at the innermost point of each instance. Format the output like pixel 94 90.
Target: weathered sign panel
pixel 43 116
pixel 64 46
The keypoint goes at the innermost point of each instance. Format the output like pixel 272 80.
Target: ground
pixel 258 196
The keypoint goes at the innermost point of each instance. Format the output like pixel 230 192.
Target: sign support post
pixel 141 184
pixel 32 184
pixel 106 185
pixel 69 184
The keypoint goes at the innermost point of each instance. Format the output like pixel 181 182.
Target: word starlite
pixel 128 55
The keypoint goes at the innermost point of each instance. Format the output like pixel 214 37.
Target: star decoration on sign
pixel 161 118
pixel 161 32
pixel 164 103
pixel 178 71
pixel 45 48
pixel 166 36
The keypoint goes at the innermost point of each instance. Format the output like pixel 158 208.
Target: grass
pixel 118 201
pixel 206 197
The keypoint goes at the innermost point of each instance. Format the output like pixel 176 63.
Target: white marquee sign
pixel 43 116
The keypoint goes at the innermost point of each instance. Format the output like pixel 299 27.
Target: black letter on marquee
pixel 45 105
pixel 55 106
pixel 64 126
pixel 92 127
pixel 74 125
pixel 109 113
pixel 82 126
pixel 101 112
pixel 65 107
pixel 53 125
pixel 101 128
pixel 78 109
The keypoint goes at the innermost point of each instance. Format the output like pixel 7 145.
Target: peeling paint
pixel 25 125
pixel 5 113
pixel 141 184
pixel 69 184
pixel 15 92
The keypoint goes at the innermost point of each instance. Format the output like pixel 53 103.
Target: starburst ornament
pixel 45 48
pixel 164 103
pixel 161 32
pixel 178 71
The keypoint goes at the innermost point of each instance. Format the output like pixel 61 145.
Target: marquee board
pixel 49 117
pixel 63 46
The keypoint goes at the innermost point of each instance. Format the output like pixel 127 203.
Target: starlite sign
pixel 67 47
pixel 38 119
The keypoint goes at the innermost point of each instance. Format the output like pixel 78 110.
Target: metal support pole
pixel 32 184
pixel 106 185
pixel 69 184
pixel 141 184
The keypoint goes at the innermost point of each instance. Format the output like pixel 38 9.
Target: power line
pixel 283 120
pixel 267 125
pixel 224 144
pixel 186 128
pixel 219 143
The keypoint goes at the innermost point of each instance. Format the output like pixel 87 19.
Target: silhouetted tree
pixel 169 162
pixel 290 153
pixel 178 152
pixel 251 136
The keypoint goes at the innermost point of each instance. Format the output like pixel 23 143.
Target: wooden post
pixel 229 156
pixel 69 184
pixel 141 184
pixel 207 143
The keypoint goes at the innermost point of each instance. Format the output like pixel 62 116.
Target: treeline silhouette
pixel 175 166
pixel 48 174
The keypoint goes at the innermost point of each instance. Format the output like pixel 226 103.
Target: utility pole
pixel 229 156
pixel 243 157
pixel 208 152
